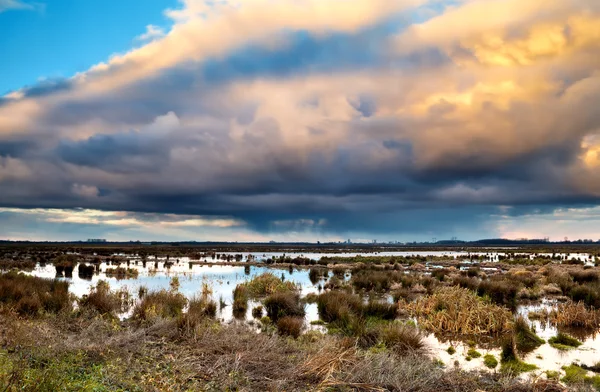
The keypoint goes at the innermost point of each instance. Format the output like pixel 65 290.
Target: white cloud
pixel 152 32
pixel 6 5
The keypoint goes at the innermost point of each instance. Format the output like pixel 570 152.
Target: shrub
pixel 379 281
pixel 199 309
pixel 290 326
pixel 586 293
pixel 467 283
pixel 473 353
pixel 29 306
pixel 584 276
pixel 283 304
pixel 510 361
pixel 382 310
pixel 337 306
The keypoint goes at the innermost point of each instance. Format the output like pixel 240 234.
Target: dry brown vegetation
pixel 457 310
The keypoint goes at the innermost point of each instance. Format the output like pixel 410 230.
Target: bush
pixel 122 273
pixel 290 326
pixel 585 276
pixel 379 281
pixel 576 315
pixel 283 304
pixel 382 310
pixel 29 306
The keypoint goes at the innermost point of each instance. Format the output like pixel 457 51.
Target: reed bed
pixel 575 314
pixel 459 311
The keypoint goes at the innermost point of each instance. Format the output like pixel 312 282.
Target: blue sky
pixel 299 120
pixel 59 38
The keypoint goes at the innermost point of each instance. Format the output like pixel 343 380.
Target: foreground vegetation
pixel 374 316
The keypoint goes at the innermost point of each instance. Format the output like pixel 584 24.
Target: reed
pixel 460 311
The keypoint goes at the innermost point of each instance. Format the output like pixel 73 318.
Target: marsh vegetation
pixel 129 320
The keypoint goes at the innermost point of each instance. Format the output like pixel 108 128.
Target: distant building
pixel 96 240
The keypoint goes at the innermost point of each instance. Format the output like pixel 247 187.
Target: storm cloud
pixel 331 117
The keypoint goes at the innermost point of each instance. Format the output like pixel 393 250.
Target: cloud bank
pixel 378 117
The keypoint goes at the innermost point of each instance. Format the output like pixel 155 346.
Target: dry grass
pixel 159 304
pixel 290 326
pixel 460 311
pixel 267 284
pixel 284 304
pixel 102 300
pixel 30 295
pixel 573 314
pixel 122 273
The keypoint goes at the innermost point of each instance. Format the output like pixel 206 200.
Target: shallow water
pixel 223 279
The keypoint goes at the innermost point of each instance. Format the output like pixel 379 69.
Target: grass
pixel 290 326
pixel 199 309
pixel 460 311
pixel 490 361
pixel 283 304
pixel 121 273
pixel 563 341
pixel 576 375
pixel 575 314
pixel 86 271
pixel 401 338
pixel 473 353
pixel 102 300
pixel 30 295
pixel 240 300
pixel 159 304
pixel 510 363
pixel 451 350
pixel 526 339
pixel 257 312
pixel 267 284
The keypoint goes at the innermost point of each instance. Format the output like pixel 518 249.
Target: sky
pixel 299 120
